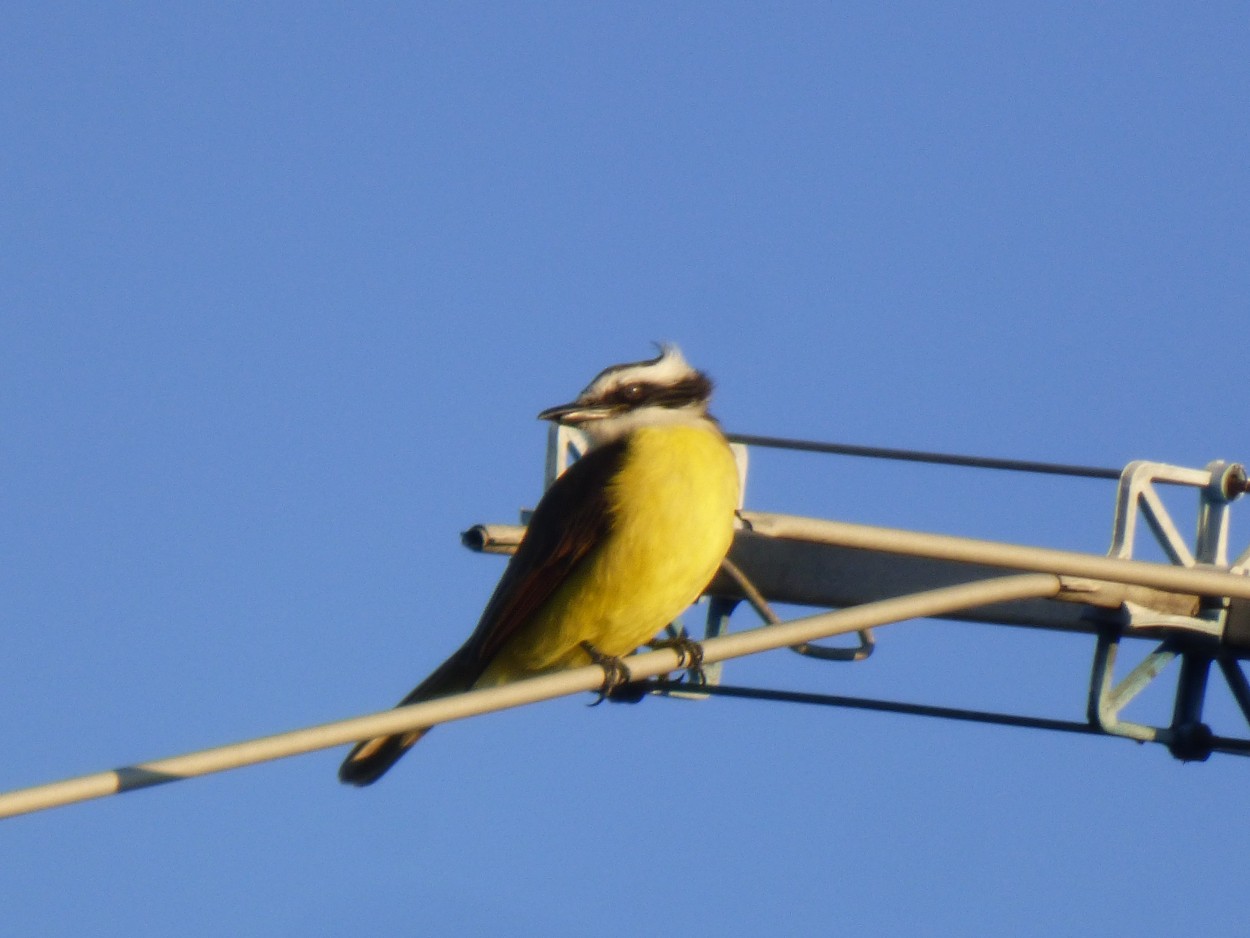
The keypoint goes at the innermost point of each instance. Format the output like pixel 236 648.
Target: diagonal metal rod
pixel 1237 683
pixel 575 680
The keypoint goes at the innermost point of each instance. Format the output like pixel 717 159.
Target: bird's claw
pixel 616 675
pixel 689 655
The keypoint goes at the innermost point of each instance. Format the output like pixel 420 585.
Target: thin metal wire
pixel 885 706
pixel 757 602
pixel 913 455
pixel 1225 744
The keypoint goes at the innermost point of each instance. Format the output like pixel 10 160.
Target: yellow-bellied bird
pixel 623 541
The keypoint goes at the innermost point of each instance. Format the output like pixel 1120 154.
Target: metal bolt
pixel 1236 483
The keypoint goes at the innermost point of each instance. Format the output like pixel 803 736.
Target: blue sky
pixel 282 288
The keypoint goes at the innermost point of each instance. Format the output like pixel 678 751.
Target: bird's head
pixel 664 389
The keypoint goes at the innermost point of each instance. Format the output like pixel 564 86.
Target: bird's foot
pixel 689 655
pixel 618 685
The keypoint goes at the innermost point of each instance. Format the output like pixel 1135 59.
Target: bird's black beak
pixel 574 413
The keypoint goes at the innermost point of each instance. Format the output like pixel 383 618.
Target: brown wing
pixel 572 517
pixel 569 520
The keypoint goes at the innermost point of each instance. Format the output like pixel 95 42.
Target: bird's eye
pixel 632 393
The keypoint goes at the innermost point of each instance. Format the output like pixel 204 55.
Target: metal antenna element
pixel 1196 607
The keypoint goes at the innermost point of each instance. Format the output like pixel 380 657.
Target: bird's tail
pixel 371 759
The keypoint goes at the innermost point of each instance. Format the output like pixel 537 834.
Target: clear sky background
pixel 282 287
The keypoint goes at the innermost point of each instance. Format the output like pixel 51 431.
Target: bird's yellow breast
pixel 672 503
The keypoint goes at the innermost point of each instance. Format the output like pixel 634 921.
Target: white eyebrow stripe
pixel 669 368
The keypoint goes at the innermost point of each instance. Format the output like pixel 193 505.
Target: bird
pixel 624 540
